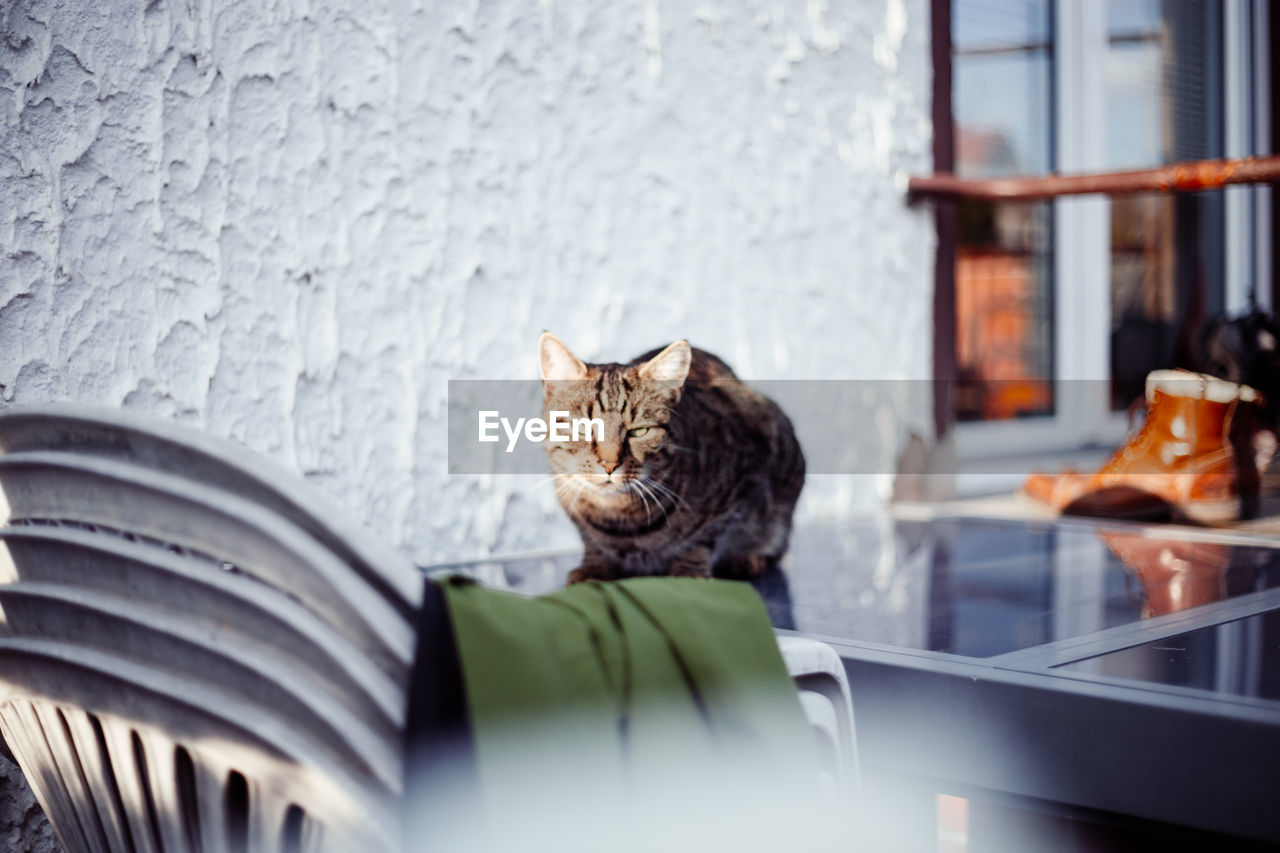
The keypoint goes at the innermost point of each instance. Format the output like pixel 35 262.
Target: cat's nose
pixel 608 453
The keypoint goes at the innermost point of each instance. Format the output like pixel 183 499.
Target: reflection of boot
pixel 1181 461
pixel 1174 575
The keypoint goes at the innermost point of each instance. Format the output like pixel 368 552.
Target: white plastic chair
pixel 824 693
pixel 195 651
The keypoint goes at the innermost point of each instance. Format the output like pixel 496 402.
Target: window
pixel 1063 307
pixel 1163 104
pixel 1002 103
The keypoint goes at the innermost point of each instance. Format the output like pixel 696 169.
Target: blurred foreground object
pixel 197 652
pixel 1181 462
pixel 656 712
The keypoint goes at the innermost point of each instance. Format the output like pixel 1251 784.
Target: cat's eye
pixel 637 432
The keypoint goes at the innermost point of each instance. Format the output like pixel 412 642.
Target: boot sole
pixel 1223 511
pixel 1125 503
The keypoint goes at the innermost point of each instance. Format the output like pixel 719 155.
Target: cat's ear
pixel 670 365
pixel 556 362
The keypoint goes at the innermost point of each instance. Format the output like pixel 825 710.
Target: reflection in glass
pixel 1174 574
pixel 1002 103
pixel 1004 311
pixel 980 587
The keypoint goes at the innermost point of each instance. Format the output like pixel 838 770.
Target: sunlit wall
pixel 290 223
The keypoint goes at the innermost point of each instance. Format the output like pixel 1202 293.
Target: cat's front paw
pixel 585 573
pixel 693 563
pixel 696 572
pixel 743 568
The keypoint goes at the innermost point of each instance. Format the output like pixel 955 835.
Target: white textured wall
pixel 291 223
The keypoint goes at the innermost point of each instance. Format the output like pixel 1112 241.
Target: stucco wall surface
pixel 23 827
pixel 291 222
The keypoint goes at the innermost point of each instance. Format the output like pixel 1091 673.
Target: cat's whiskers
pixel 663 488
pixel 648 517
pixel 657 499
pixel 678 447
pixel 543 481
pixel 583 489
pixel 570 491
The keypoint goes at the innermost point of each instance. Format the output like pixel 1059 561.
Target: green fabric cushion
pixel 612 682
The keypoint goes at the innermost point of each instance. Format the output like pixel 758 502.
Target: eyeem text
pixel 560 428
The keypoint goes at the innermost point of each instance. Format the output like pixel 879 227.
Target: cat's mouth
pixel 604 485
pixel 616 484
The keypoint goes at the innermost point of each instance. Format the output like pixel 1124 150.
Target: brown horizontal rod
pixel 1191 176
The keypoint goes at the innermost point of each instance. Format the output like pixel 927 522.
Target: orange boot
pixel 1182 461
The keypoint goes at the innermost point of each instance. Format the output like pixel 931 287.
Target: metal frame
pixel 1016 725
pixel 1248 132
pixel 1082 647
pixel 1019 726
pixel 1086 743
pixel 1263 95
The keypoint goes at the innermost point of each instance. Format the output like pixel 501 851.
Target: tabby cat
pixel 695 473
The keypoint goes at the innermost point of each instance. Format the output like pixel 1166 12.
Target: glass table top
pixel 1241 657
pixel 980 588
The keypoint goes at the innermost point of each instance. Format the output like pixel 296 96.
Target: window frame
pixel 1081 228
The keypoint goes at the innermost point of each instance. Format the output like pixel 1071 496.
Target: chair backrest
pixel 124 758
pixel 194 652
pixel 226 604
pixel 172 512
pixel 158 446
pixel 175 646
pixel 824 692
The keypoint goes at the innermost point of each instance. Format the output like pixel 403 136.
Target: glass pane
pixel 1240 658
pixel 1003 105
pixel 1163 106
pixel 1004 311
pixel 1002 98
